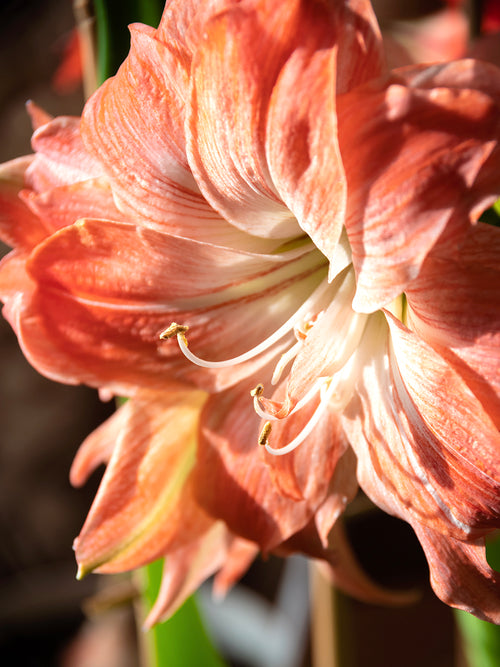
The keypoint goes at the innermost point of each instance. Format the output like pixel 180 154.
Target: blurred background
pixel 47 618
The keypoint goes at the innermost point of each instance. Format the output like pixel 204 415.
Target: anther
pixel 175 329
pixel 264 434
pixel 258 390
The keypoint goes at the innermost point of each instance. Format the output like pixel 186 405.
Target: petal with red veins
pixel 427 451
pixel 453 305
pixel 134 124
pixel 412 152
pixel 115 305
pixel 61 158
pixel 19 227
pixel 62 206
pixel 337 51
pixel 460 574
pixel 234 70
pixel 175 271
pixel 183 22
pixel 144 506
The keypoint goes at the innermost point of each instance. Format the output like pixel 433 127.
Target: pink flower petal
pixel 144 507
pixel 460 574
pixel 427 451
pixel 19 227
pixel 413 154
pixel 453 305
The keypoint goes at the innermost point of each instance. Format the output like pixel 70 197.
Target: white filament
pixel 265 344
pixel 285 360
pixel 318 413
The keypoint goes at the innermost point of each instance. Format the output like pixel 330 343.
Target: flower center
pixel 328 308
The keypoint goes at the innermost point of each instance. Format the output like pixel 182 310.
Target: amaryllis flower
pixel 257 186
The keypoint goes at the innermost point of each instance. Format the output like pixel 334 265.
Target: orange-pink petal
pixel 454 306
pixel 413 154
pixel 460 574
pixel 144 507
pixel 19 227
pixel 427 451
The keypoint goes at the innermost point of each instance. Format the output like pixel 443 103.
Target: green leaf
pixel 113 37
pixel 480 639
pixel 182 641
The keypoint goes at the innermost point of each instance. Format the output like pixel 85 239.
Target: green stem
pixel 113 38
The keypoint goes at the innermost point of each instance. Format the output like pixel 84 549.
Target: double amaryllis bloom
pixel 260 234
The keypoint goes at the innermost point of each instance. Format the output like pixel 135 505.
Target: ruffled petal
pixel 144 507
pixel 460 574
pixel 453 306
pixel 427 452
pixel 412 154
pixel 260 53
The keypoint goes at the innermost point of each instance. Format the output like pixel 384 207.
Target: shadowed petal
pixel 240 555
pixel 306 472
pixel 460 574
pixel 453 305
pixel 19 227
pixel 412 154
pixel 340 566
pixel 144 506
pixel 233 481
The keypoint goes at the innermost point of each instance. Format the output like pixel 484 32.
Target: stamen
pixel 179 331
pixel 258 390
pixel 284 361
pixel 299 439
pixel 264 434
